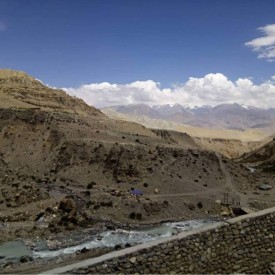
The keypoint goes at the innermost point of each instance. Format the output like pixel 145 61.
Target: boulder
pixel 67 205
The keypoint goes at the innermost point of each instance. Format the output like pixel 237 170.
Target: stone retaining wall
pixel 241 245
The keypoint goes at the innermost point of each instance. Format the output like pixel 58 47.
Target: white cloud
pixel 106 94
pixel 2 26
pixel 265 45
pixel 212 89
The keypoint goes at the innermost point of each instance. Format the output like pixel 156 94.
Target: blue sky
pixel 68 43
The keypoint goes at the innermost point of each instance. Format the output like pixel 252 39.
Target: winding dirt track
pixel 229 184
pixel 205 192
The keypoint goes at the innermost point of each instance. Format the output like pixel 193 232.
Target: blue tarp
pixel 136 192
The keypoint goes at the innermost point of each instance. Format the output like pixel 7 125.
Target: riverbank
pixel 88 244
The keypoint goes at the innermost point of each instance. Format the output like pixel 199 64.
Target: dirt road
pixel 229 184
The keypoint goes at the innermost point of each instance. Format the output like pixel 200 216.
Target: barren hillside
pixel 21 91
pixel 263 156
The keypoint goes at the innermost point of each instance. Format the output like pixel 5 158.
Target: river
pixel 15 249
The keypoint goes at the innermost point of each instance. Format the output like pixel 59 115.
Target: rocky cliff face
pixel 21 91
pixel 263 156
pixel 10 78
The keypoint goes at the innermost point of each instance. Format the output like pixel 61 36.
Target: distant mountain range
pixel 224 116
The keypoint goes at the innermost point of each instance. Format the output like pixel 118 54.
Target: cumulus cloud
pixel 107 94
pixel 2 26
pixel 212 89
pixel 265 45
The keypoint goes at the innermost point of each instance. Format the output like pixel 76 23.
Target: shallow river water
pixel 109 238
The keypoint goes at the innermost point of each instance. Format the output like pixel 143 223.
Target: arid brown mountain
pixel 263 157
pixel 20 91
pixel 67 166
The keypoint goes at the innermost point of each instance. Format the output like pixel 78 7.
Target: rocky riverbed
pixel 20 255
